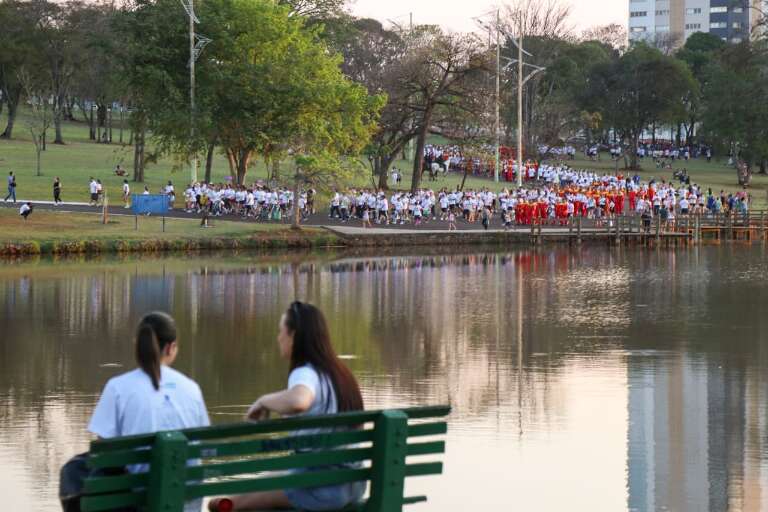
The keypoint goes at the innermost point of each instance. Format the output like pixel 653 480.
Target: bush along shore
pixel 284 239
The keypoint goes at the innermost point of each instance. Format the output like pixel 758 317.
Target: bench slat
pixel 281 444
pixel 299 460
pixel 102 484
pixel 426 448
pixel 266 427
pixel 238 448
pixel 301 480
pixel 428 429
pixel 424 469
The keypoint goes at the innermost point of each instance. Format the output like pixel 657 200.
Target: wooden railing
pixel 697 227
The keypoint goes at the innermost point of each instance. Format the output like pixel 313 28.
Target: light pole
pixel 521 81
pixel 196 44
pixel 498 100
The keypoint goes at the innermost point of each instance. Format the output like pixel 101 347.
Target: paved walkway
pixel 321 220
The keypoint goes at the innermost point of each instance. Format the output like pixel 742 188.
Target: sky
pixel 457 14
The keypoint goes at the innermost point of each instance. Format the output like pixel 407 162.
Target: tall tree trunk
pixel 12 99
pixel 633 160
pixel 209 162
pixel 122 121
pixel 139 136
pixel 242 159
pixel 418 159
pixel 91 125
pixel 59 102
pixel 384 162
pixel 101 122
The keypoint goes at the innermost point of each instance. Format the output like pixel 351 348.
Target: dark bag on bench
pixel 72 477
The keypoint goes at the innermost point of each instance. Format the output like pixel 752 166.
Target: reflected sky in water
pixel 586 379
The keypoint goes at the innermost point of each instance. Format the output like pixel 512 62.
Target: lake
pixel 581 379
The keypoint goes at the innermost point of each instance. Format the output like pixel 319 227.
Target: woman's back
pixel 131 405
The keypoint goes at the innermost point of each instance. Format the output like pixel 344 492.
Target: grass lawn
pixel 63 226
pixel 81 158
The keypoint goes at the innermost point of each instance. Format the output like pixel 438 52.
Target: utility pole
pixel 520 105
pixel 193 162
pixel 497 125
pixel 196 44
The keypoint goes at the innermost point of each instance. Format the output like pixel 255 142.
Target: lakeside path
pixel 319 220
pixel 77 228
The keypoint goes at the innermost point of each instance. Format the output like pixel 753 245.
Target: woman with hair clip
pixel 154 397
pixel 319 383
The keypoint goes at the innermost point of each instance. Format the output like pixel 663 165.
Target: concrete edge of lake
pixel 323 237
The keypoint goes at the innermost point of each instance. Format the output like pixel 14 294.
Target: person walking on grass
pixel 11 187
pixel 126 195
pixel 57 191
pixel 93 189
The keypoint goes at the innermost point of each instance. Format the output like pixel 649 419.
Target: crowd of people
pixel 555 194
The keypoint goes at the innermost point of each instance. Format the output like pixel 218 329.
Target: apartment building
pixel 731 20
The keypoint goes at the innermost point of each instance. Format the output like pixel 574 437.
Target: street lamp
pixel 196 44
pixel 521 80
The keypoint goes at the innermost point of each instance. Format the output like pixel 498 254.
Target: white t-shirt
pixel 130 405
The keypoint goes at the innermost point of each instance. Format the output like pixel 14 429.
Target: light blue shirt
pixel 130 405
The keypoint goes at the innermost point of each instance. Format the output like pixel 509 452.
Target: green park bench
pixel 248 457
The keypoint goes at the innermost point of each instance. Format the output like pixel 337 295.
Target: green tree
pixel 699 52
pixel 19 49
pixel 735 116
pixel 641 87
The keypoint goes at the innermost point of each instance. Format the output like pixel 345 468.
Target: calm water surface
pixel 587 379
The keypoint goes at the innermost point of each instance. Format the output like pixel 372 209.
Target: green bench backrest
pixel 234 459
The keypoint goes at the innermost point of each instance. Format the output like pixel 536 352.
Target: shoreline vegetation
pixel 53 233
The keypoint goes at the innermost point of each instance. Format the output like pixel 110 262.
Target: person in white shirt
pixel 152 398
pixel 25 210
pixel 126 194
pixel 93 189
pixel 319 383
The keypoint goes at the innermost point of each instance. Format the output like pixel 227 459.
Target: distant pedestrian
pixel 451 222
pixel 486 218
pixel 146 191
pixel 57 191
pixel 126 194
pixel 93 189
pixel 25 210
pixel 171 193
pixel 11 187
pixel 99 193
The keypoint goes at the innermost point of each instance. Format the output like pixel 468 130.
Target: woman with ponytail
pixel 319 383
pixel 154 397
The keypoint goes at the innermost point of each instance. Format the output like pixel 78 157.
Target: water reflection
pixel 587 379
